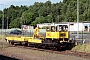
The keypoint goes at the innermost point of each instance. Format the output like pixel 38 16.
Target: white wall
pixel 75 26
pixel 71 27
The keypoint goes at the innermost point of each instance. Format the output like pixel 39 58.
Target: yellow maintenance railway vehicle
pixel 56 36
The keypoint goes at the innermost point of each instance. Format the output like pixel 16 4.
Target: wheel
pixel 27 44
pixel 12 43
pixel 9 42
pixel 21 43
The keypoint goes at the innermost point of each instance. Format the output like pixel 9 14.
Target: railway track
pixel 67 52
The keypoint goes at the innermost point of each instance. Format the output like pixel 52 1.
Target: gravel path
pixel 15 53
pixel 27 54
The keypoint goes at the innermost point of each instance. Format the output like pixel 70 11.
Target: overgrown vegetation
pixel 82 48
pixel 2 37
pixel 3 43
pixel 47 12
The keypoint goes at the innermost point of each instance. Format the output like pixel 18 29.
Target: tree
pixel 27 17
pixel 47 12
pixel 0 19
pixel 16 23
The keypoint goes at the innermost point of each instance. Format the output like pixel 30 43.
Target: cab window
pixel 53 29
pixel 65 27
pixel 48 29
pixel 62 28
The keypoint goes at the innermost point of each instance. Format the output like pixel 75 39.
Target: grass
pixel 2 37
pixel 82 48
pixel 3 44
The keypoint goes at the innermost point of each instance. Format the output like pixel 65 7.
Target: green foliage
pixel 27 17
pixel 15 23
pixel 0 19
pixel 38 20
pixel 47 12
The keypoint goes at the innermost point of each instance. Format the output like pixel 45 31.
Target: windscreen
pixel 63 28
pixel 51 28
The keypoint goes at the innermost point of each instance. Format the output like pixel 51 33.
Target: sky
pixel 7 3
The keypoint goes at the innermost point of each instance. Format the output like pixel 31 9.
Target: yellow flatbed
pixel 23 39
